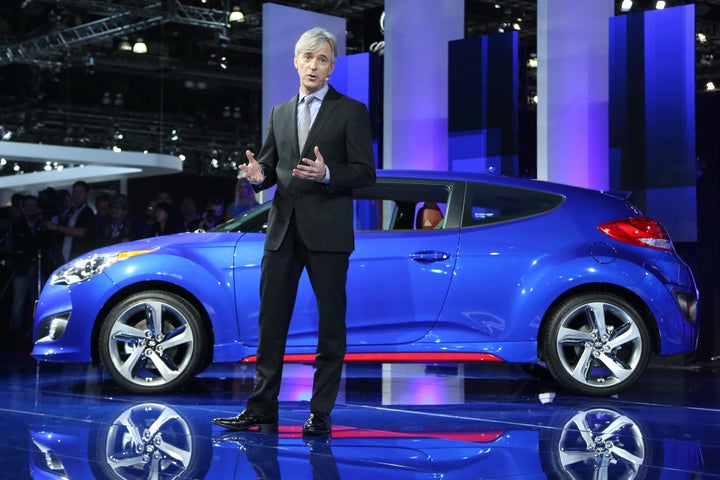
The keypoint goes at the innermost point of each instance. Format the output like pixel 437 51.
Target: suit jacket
pixel 323 213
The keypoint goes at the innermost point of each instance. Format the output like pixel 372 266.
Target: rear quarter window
pixel 486 204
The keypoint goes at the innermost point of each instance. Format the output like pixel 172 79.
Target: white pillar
pixel 572 78
pixel 417 32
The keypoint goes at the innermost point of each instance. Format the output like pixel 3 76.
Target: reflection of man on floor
pixel 261 450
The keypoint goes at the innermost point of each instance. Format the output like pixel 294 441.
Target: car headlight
pixel 86 267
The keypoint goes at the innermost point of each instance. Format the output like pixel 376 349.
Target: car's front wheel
pixel 596 344
pixel 153 342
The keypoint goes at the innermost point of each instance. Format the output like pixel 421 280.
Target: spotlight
pixel 140 46
pixel 660 4
pixel 626 5
pixel 709 86
pixel 236 15
pixel 125 45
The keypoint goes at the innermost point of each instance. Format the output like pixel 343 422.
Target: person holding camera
pixel 214 214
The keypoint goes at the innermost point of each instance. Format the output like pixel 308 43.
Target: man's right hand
pixel 252 171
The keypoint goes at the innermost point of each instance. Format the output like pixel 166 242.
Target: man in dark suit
pixel 310 227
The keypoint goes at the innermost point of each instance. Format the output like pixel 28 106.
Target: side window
pixel 391 207
pixel 487 204
pixel 373 213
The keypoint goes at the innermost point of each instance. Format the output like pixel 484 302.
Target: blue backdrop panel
pixel 415 83
pixel 652 115
pixel 483 104
pixel 357 77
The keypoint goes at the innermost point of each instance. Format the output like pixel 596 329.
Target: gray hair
pixel 313 39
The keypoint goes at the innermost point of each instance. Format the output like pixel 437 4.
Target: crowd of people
pixel 38 233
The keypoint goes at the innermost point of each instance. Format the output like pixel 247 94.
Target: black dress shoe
pixel 317 424
pixel 248 419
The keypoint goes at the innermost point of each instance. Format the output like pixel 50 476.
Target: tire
pixel 598 442
pixel 596 344
pixel 150 440
pixel 153 342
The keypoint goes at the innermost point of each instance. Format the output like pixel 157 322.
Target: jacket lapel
pixel 291 119
pixel 326 108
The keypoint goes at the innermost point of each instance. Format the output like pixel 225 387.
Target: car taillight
pixel 641 231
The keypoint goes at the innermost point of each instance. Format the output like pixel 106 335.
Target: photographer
pixel 214 214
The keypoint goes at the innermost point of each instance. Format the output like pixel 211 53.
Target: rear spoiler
pixel 621 194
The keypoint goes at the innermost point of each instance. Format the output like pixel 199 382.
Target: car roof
pixel 487 177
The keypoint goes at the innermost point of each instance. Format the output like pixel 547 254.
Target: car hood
pixel 177 240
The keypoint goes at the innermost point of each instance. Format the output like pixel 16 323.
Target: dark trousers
pixel 280 274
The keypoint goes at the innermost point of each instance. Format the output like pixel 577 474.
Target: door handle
pixel 429 256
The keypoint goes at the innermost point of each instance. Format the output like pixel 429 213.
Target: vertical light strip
pixel 417 33
pixel 572 131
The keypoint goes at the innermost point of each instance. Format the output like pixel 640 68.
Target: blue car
pixel 448 267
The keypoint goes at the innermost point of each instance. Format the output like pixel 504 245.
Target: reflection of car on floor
pixel 447 268
pixel 152 440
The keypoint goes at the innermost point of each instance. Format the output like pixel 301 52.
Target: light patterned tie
pixel 304 121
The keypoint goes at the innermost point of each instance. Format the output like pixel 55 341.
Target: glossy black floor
pixel 391 421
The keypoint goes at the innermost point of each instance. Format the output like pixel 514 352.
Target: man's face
pixel 314 68
pixel 30 208
pixel 102 208
pixel 117 212
pixel 188 207
pixel 216 209
pixel 78 195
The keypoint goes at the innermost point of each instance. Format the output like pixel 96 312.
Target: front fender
pixel 209 277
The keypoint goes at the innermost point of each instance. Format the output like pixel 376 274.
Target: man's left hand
pixel 313 170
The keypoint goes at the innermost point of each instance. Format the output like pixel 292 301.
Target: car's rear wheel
pixel 596 344
pixel 598 442
pixel 153 342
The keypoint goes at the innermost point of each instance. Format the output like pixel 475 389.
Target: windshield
pixel 252 221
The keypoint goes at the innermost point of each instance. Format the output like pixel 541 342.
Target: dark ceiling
pixel 64 79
